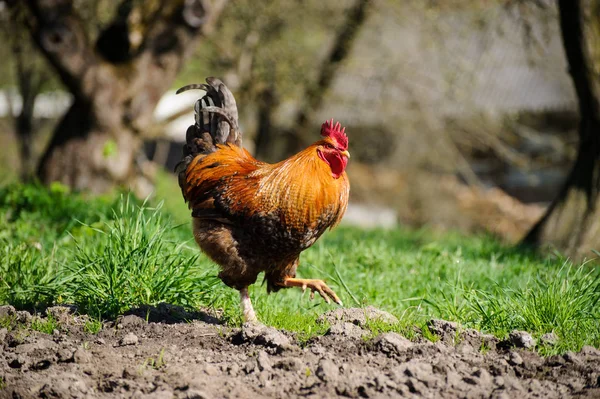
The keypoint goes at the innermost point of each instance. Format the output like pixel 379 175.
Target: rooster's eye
pixel 331 147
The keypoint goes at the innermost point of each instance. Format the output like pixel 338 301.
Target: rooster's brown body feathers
pixel 250 216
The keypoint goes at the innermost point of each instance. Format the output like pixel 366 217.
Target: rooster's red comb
pixel 337 132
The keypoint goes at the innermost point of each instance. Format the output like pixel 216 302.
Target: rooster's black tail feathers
pixel 216 123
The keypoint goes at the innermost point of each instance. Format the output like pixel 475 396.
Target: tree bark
pixel 572 222
pixel 116 83
pixel 267 100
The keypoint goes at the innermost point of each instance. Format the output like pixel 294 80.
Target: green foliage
pixel 107 255
pixel 8 322
pixel 566 304
pixel 24 282
pixel 34 214
pixel 46 326
pixel 131 261
pixel 92 326
pixel 110 149
pixel 420 275
pixel 156 363
pixel 261 32
pixel 63 248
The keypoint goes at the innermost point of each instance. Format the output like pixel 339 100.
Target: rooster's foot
pixel 314 286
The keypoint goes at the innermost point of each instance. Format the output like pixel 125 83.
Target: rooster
pixel 250 216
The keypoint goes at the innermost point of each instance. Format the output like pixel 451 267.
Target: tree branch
pixel 178 19
pixel 344 39
pixel 60 34
pixel 114 42
pixel 169 43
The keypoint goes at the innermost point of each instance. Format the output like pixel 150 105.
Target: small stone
pixel 499 381
pixel 129 339
pixel 100 341
pixel 3 334
pixel 327 370
pixel 65 355
pixel 521 339
pixel 392 343
pixel 588 350
pixel 195 394
pixel 515 359
pixel 79 386
pixel 263 361
pixel 211 370
pixel 549 339
pixel 262 335
pixel 81 356
pixel 250 366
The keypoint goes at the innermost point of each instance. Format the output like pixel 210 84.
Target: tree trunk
pixel 267 101
pixel 116 83
pixel 30 78
pixel 29 87
pixel 572 222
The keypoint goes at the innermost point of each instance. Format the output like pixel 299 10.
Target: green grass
pixel 92 326
pixel 109 254
pixel 47 325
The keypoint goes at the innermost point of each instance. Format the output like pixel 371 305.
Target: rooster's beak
pixel 346 154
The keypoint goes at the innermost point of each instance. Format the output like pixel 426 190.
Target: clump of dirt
pixel 358 316
pixel 197 358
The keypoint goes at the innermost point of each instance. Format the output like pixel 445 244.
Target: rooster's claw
pixel 314 286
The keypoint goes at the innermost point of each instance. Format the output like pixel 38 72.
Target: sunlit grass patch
pixel 113 254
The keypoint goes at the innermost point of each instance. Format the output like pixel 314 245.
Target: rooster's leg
pixel 247 309
pixel 314 285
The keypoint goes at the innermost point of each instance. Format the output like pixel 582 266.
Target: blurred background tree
pixel 572 222
pixel 116 60
pixel 461 113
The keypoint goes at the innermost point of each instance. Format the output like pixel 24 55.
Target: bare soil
pixel 166 352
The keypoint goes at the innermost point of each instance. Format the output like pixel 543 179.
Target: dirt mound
pixel 358 316
pixel 134 358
